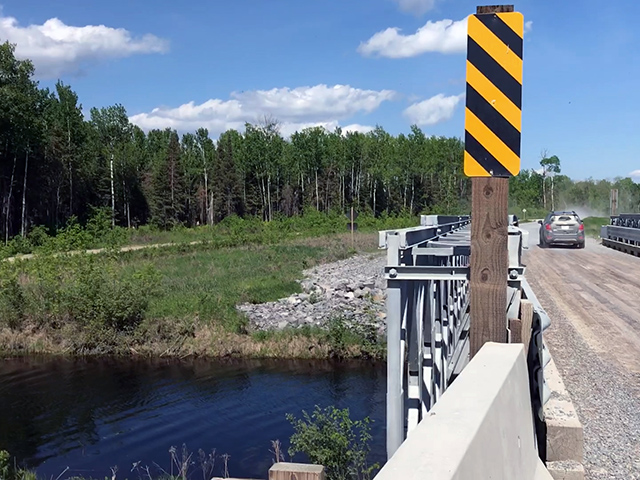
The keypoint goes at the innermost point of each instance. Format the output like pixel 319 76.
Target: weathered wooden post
pixel 492 155
pixel 296 471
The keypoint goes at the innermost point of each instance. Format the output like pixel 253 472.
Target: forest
pixel 59 164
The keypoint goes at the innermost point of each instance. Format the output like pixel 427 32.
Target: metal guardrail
pixel 626 220
pixel 623 233
pixel 428 317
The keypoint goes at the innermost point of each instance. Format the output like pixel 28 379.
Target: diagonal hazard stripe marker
pixel 493 117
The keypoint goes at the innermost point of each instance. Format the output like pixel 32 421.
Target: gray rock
pixel 352 288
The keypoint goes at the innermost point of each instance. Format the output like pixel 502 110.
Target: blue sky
pixel 339 62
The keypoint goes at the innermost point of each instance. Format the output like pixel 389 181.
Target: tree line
pixel 55 165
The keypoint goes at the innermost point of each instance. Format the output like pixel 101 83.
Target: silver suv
pixel 561 228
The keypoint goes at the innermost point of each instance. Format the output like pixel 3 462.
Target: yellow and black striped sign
pixel 494 95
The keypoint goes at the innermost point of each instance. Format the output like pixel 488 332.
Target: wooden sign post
pixel 492 155
pixel 352 226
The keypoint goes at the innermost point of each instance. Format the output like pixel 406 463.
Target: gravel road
pixel 592 298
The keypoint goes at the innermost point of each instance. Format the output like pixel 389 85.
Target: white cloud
pixel 635 174
pixel 434 110
pixel 444 36
pixel 416 7
pixel 294 108
pixel 357 128
pixel 56 48
pixel 287 128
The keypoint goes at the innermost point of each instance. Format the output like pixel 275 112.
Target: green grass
pixel 171 301
pixel 592 225
pixel 209 284
pixel 230 232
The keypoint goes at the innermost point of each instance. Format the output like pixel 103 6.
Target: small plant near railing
pixel 329 437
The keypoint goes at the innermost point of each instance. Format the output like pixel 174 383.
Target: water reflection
pixel 92 413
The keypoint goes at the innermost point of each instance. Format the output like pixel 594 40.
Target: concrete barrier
pixel 565 437
pixel 481 428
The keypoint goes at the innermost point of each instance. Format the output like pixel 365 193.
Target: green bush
pixel 89 291
pixel 10 472
pixel 331 438
pixel 5 464
pixel 12 301
pixel 364 336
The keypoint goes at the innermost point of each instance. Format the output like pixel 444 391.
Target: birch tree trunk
pixel 269 195
pixel 8 210
pixel 24 192
pixel 206 196
pixel 317 194
pixel 113 194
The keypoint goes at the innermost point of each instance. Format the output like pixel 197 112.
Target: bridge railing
pixel 623 233
pixel 428 318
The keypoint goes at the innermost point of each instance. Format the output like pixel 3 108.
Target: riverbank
pixel 182 301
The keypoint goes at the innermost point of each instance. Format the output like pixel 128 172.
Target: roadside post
pixel 352 226
pixel 492 155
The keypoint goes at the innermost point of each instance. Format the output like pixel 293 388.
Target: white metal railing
pixel 428 317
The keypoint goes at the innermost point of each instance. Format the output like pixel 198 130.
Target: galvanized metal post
pixel 395 394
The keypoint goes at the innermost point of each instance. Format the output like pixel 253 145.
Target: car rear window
pixel 565 218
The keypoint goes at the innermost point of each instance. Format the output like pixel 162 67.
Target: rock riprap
pixel 353 289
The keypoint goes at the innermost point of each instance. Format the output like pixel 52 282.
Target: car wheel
pixel 581 245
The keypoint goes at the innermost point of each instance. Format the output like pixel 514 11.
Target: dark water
pixel 91 414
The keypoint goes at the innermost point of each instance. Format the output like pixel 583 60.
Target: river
pixel 90 414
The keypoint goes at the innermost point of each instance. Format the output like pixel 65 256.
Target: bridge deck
pixel 593 297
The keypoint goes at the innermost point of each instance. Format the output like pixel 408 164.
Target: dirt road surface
pixel 593 299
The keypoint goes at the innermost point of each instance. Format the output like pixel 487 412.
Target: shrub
pixel 89 290
pixel 12 300
pixel 341 337
pixel 331 438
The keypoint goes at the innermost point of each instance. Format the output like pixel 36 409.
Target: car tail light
pixel 581 228
pixel 548 226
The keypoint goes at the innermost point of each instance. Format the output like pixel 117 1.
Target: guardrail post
pixel 395 394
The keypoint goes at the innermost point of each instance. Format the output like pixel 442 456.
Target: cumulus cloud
pixel 416 7
pixel 287 128
pixel 294 108
pixel 443 36
pixel 635 174
pixel 56 48
pixel 434 110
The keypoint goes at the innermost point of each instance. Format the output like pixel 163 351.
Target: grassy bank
pixel 592 225
pixel 174 301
